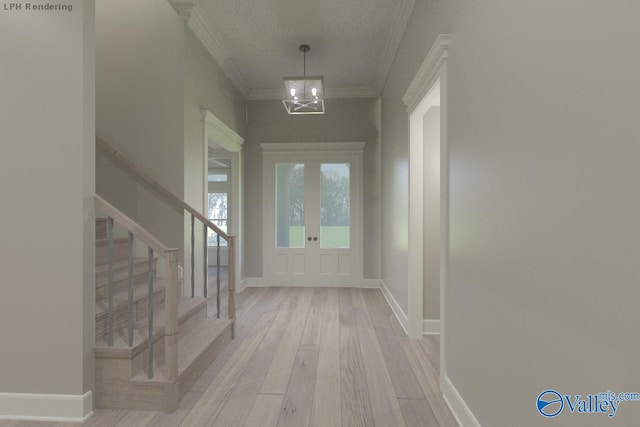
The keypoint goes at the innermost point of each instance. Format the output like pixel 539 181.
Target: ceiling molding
pixel 330 93
pixel 427 72
pixel 198 25
pixel 183 7
pixel 400 22
pixel 220 133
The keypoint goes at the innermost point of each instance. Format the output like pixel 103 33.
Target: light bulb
pixel 293 92
pixel 314 91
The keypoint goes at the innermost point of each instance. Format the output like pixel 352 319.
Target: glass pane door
pixel 335 206
pixel 290 206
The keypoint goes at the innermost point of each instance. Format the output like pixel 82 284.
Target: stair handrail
pixel 136 170
pixel 130 225
pixel 170 256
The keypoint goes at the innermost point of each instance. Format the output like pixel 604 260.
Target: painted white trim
pixel 396 32
pixel 254 282
pixel 329 93
pixel 226 138
pixel 222 134
pixel 395 307
pixel 458 406
pixel 371 283
pixel 259 282
pixel 427 73
pixel 296 147
pixel 198 25
pixel 432 72
pixel 430 327
pixel 46 407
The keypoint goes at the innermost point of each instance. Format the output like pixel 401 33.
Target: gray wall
pixel 545 212
pixel 544 208
pixel 47 245
pixel 429 18
pixel 140 108
pixel 345 120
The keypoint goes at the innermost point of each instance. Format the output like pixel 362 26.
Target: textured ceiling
pixel 353 43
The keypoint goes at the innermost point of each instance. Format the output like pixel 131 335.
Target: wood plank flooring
pixel 307 357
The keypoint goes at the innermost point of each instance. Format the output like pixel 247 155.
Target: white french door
pixel 312 218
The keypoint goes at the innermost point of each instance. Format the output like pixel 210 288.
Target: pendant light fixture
pixel 304 95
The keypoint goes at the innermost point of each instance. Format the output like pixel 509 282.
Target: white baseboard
pixel 259 282
pixel 253 282
pixel 430 327
pixel 46 407
pixel 371 283
pixel 395 307
pixel 459 408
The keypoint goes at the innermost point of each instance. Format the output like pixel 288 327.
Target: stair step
pixel 196 350
pixel 187 307
pixel 101 228
pixel 121 296
pixel 121 271
pixel 120 311
pixel 120 250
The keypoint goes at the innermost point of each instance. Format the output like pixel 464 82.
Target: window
pixel 217 213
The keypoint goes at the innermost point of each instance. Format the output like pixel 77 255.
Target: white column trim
pixel 46 407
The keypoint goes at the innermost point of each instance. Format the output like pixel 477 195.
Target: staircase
pixel 134 371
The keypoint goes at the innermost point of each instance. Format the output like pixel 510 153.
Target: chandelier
pixel 304 95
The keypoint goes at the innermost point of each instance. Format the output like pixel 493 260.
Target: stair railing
pixel 140 176
pixel 170 256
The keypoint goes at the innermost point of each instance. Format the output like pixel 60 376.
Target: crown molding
pixel 198 25
pixel 344 92
pixel 222 134
pixel 183 7
pixel 427 72
pixel 399 26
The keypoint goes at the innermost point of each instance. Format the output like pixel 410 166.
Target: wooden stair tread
pixel 189 348
pixel 186 308
pixel 120 349
pixel 123 264
pixel 105 242
pixel 121 296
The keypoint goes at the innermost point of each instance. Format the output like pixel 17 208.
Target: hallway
pixel 297 360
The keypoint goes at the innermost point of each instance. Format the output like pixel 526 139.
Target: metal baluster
pixel 193 260
pixel 150 312
pixel 110 281
pixel 130 297
pixel 206 267
pixel 218 277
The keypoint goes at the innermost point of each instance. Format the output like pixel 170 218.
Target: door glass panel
pixel 334 205
pixel 290 205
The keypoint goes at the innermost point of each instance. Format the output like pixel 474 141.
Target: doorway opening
pixel 426 100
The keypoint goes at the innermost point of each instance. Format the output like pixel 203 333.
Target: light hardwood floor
pixel 307 357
